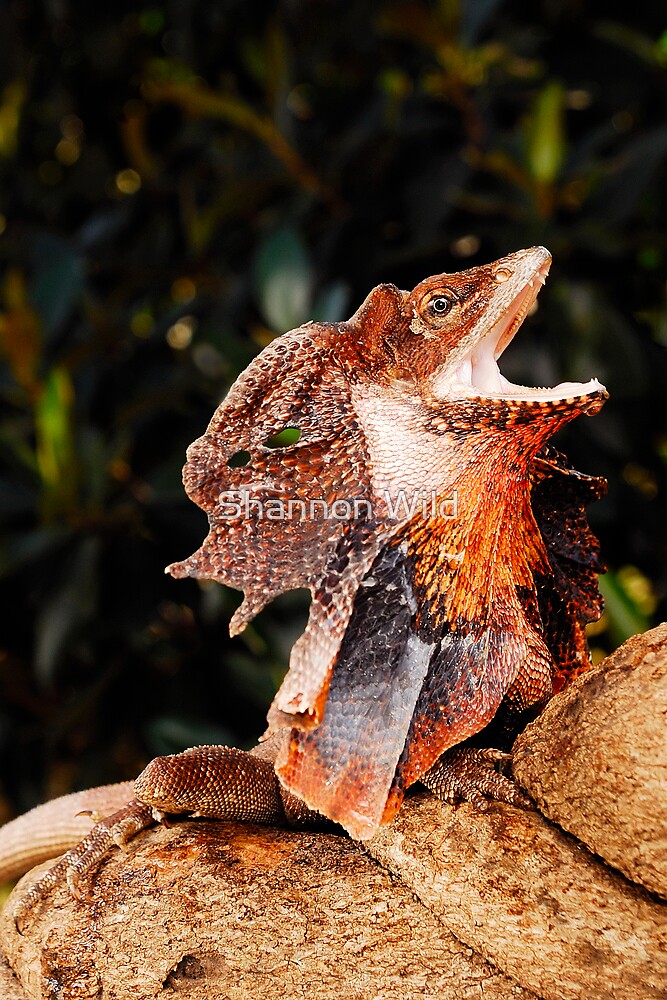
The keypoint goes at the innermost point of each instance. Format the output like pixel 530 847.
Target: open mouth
pixel 479 375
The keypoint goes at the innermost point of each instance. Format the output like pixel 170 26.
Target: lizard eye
pixel 440 305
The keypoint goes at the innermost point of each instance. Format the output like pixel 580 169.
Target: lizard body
pixel 445 546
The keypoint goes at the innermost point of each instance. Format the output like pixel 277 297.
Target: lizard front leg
pixel 470 771
pixel 209 781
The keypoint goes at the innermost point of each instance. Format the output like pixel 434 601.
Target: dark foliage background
pixel 181 181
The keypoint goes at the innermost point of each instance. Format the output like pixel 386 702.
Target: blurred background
pixel 180 182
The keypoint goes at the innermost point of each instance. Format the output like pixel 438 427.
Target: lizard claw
pixel 469 773
pixel 74 866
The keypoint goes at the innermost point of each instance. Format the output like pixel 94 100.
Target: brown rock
pixel 595 761
pixel 10 988
pixel 531 900
pixel 216 910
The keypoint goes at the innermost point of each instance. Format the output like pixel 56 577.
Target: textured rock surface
pixel 596 759
pixel 213 910
pixel 10 988
pixel 530 899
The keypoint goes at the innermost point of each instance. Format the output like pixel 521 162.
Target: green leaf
pixel 474 16
pixel 22 550
pixel 545 134
pixel 284 438
pixel 55 443
pixel 330 305
pixel 283 280
pixel 58 280
pixel 72 603
pixel 624 616
pixel 151 20
pixel 254 681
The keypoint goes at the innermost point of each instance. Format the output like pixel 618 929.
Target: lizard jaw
pixel 478 374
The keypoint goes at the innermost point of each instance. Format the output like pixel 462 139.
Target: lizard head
pixel 468 319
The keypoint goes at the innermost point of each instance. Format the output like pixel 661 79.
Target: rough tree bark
pixel 10 988
pixel 596 759
pixel 208 910
pixel 447 902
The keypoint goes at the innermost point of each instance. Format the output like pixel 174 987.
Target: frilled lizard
pixel 445 545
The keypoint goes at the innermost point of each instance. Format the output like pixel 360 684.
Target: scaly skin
pixel 445 546
pixel 217 782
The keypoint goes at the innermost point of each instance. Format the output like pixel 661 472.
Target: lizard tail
pixel 54 827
